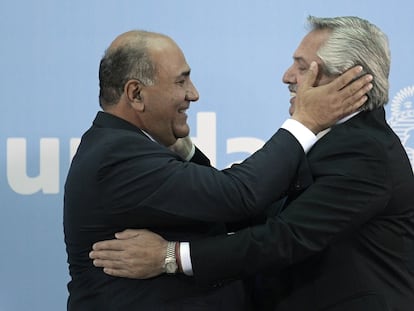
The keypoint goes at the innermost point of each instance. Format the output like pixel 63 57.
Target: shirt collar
pixel 324 132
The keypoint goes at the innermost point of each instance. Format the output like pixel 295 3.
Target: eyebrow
pixel 300 59
pixel 185 73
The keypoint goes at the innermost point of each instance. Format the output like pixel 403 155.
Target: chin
pixel 182 132
pixel 292 105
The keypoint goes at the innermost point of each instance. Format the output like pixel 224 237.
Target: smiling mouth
pixel 292 89
pixel 183 111
pixel 292 97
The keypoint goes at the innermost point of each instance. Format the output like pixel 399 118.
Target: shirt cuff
pixel 191 154
pixel 185 258
pixel 305 136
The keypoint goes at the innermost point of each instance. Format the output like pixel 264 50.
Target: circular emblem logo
pixel 402 119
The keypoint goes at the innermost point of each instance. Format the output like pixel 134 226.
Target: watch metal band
pixel 170 250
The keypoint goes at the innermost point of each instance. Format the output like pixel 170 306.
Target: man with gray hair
pixel 346 242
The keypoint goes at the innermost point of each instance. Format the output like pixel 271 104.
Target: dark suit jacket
pixel 347 241
pixel 119 178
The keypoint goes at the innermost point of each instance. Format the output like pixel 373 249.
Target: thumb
pixel 310 76
pixel 127 234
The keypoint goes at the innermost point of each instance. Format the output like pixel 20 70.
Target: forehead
pixel 311 43
pixel 167 57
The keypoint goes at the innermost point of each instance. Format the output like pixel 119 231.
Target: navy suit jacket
pixel 119 178
pixel 344 243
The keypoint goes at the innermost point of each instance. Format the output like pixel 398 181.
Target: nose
pixel 289 76
pixel 192 93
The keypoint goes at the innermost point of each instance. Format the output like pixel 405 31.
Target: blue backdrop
pixel 238 51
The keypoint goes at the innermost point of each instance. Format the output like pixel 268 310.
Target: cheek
pixel 299 79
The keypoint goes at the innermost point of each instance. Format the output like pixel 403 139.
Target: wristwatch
pixel 170 263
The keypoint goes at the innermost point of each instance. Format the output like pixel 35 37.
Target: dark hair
pixel 126 62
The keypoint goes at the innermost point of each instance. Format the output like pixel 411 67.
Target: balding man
pixel 125 176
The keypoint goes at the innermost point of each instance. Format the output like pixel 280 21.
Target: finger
pixel 128 233
pixel 106 255
pixel 93 255
pixel 112 264
pixel 354 106
pixel 125 273
pixel 115 245
pixel 363 84
pixel 358 98
pixel 118 272
pixel 310 76
pixel 357 89
pixel 347 77
pixel 98 255
pixel 115 272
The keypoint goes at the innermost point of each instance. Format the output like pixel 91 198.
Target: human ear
pixel 133 91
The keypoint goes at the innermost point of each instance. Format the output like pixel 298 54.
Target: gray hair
pixel 355 41
pixel 125 62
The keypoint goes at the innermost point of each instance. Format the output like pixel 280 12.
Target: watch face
pixel 171 267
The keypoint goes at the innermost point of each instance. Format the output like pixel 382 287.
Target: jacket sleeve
pixel 350 188
pixel 158 181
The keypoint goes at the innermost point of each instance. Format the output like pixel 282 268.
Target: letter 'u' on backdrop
pixel 238 52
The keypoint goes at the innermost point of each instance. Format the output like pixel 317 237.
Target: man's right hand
pixel 183 147
pixel 135 253
pixel 320 107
